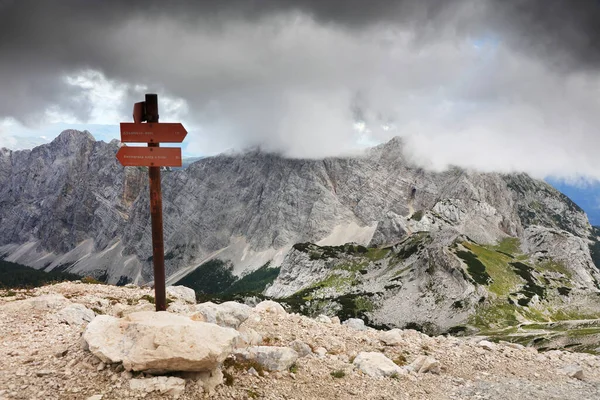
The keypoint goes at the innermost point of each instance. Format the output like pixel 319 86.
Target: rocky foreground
pixel 83 341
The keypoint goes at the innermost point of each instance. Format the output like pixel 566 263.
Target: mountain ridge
pixel 69 205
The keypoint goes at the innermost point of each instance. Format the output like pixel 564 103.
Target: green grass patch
pixel 412 245
pixel 340 373
pixel 376 254
pixel 475 267
pixel 336 281
pixel 509 245
pixel 400 360
pixel 531 288
pixel 554 266
pixel 503 278
pixel 499 314
pixel 150 299
pixel 417 216
pixel 351 267
pixel 566 314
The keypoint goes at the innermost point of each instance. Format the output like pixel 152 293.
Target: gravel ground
pixel 42 358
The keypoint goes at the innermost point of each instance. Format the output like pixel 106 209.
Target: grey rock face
pixel 70 204
pixel 66 202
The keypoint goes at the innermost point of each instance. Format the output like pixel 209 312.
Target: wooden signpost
pixel 149 156
pixel 152 157
pixel 152 133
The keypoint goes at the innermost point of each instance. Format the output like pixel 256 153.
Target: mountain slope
pixel 70 205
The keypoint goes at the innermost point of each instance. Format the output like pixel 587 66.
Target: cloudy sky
pixel 494 85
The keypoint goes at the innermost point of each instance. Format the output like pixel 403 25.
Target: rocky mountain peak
pixel 434 248
pixel 69 135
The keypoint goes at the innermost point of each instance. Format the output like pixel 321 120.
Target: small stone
pixel 252 371
pixel 100 366
pixel 484 344
pixel 301 348
pixel 514 345
pixel 61 353
pixel 335 346
pixel 162 384
pixel 320 351
pixel 182 293
pixel 75 314
pixel 229 314
pixel 324 319
pixel 424 364
pixel 95 397
pixel 269 306
pixel 573 371
pixel 355 323
pixel 392 337
pixel 44 372
pixel 271 358
pixel 377 365
pixel 248 337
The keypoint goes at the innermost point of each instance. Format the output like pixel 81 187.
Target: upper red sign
pixel 149 156
pixel 159 132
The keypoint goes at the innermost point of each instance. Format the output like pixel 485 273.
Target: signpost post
pixel 152 157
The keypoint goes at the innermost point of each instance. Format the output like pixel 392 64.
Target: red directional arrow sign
pixel 149 156
pixel 152 132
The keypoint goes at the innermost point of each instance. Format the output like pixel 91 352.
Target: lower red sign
pixel 149 156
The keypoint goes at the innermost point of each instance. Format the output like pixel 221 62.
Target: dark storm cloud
pixel 40 41
pixel 296 74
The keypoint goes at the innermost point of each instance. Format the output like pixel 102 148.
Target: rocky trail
pixel 58 341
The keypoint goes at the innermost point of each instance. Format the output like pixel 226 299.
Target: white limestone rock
pixel 168 385
pixel 75 314
pixel 324 319
pixel 487 345
pixel 41 303
pixel 141 307
pixel 182 293
pixel 248 337
pixel 270 306
pixel 573 371
pixel 179 307
pixel 117 310
pixel 271 358
pixel 229 314
pixel 393 337
pixel 301 348
pixel 355 323
pixel 320 352
pixel 207 380
pixel 424 364
pixel 159 342
pixel 377 365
